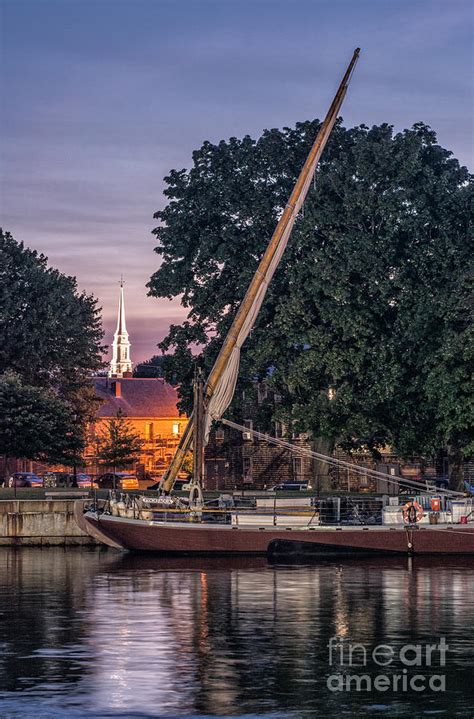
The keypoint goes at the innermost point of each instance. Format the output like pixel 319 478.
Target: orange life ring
pixel 412 512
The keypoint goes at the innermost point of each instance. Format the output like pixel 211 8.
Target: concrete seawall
pixel 39 522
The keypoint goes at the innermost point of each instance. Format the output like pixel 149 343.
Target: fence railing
pixel 328 511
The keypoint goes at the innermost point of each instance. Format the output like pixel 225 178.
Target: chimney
pixel 116 388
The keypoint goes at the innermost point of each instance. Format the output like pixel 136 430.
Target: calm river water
pixel 99 634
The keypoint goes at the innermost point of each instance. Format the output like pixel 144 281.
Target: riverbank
pixel 45 517
pixel 41 522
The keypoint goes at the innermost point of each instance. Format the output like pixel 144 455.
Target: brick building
pixel 150 407
pixel 239 460
pixel 236 459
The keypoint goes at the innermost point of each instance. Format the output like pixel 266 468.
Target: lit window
pixel 176 428
pixel 149 431
pixel 248 435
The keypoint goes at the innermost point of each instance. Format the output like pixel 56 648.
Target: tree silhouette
pixel 119 445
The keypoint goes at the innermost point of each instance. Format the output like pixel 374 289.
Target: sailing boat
pixel 165 525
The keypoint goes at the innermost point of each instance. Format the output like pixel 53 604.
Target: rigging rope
pixel 305 452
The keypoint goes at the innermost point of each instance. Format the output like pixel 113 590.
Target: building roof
pixel 136 397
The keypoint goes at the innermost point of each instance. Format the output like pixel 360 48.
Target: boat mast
pixel 198 439
pixel 264 272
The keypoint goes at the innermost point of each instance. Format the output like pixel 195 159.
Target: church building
pixel 121 365
pixel 150 405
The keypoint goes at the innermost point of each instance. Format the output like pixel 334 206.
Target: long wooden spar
pixel 298 193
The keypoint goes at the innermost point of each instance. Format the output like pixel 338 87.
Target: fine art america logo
pixel 409 668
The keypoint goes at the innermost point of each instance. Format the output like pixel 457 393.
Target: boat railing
pixel 310 511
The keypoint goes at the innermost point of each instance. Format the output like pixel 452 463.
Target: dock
pixel 41 522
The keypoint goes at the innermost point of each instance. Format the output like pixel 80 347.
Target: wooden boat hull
pixel 93 530
pixel 201 538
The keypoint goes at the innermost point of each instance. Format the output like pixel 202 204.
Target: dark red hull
pixel 187 538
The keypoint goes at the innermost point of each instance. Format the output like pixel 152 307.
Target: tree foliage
pixel 35 424
pixel 50 334
pixel 118 444
pixel 372 295
pixel 154 367
pixel 50 338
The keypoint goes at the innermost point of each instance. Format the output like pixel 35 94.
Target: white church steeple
pixel 120 363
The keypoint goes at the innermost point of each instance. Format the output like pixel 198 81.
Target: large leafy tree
pixel 50 333
pixel 371 297
pixel 50 338
pixel 36 424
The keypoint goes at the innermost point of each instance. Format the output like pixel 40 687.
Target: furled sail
pixel 223 390
pixel 225 386
pixel 220 385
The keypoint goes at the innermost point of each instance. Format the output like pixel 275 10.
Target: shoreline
pixel 41 523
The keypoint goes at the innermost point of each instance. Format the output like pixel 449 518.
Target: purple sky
pixel 102 97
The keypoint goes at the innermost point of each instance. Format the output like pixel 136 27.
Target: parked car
pixel 291 487
pixel 24 479
pixel 117 480
pixel 86 481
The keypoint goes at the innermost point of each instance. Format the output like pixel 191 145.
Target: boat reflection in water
pixel 98 633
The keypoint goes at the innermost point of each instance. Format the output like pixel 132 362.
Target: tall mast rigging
pixel 220 385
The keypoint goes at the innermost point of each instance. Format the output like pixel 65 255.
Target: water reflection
pixel 95 632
